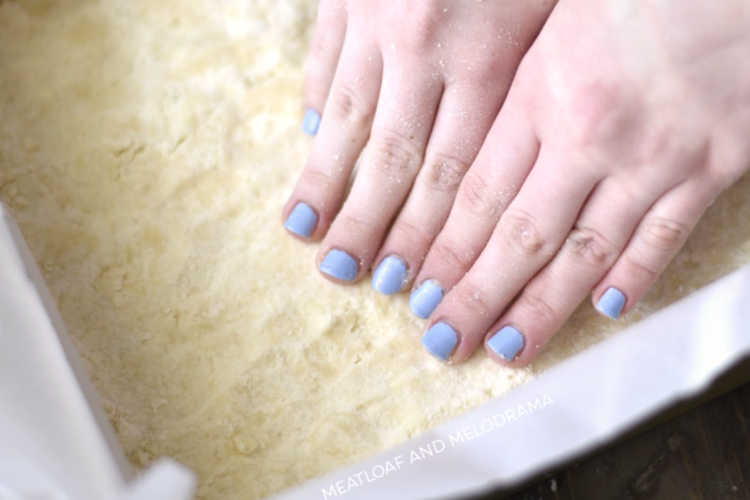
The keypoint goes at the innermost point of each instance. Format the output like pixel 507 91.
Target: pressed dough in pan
pixel 146 149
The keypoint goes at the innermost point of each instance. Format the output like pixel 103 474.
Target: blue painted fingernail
pixel 506 343
pixel 425 299
pixel 311 122
pixel 440 340
pixel 301 220
pixel 611 303
pixel 388 278
pixel 340 265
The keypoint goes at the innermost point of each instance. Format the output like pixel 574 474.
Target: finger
pixel 464 117
pixel 527 236
pixel 325 48
pixel 506 157
pixel 659 236
pixel 343 133
pixel 603 228
pixel 403 121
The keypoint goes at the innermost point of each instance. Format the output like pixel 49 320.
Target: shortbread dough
pixel 146 149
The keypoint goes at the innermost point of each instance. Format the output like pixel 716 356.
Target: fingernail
pixel 611 303
pixel 388 278
pixel 301 220
pixel 440 340
pixel 506 343
pixel 425 299
pixel 310 122
pixel 340 265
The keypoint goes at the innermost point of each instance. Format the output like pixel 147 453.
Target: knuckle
pixel 424 21
pixel 478 198
pixel 348 106
pixel 600 109
pixel 322 44
pixel 448 255
pixel 538 309
pixel 471 298
pixel 444 173
pixel 520 231
pixel 663 143
pixel 666 235
pixel 639 269
pixel 316 179
pixel 491 71
pixel 394 153
pixel 411 236
pixel 354 225
pixel 588 245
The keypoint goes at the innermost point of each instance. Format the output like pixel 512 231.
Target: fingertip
pixel 440 340
pixel 390 275
pixel 301 220
pixel 512 347
pixel 611 303
pixel 311 121
pixel 339 266
pixel 506 343
pixel 425 298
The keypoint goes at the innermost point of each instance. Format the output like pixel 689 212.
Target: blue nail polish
pixel 301 220
pixel 611 303
pixel 388 278
pixel 310 122
pixel 425 299
pixel 340 265
pixel 506 343
pixel 440 340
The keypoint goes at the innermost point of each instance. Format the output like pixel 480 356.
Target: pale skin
pixel 523 170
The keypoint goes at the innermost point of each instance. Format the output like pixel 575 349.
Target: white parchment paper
pixel 55 443
pixel 574 406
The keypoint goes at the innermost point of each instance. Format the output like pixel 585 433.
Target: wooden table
pixel 688 453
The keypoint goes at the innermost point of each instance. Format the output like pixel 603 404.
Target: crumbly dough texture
pixel 146 149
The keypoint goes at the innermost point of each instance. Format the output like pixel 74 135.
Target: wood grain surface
pixel 702 453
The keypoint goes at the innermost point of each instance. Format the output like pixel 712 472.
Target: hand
pixel 625 120
pixel 420 85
